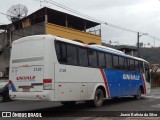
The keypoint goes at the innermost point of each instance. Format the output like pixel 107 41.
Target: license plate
pixel 26 89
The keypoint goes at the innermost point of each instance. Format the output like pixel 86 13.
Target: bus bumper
pixel 46 95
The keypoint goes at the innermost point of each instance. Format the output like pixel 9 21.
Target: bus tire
pixel 98 98
pixel 68 103
pixel 1 98
pixel 139 93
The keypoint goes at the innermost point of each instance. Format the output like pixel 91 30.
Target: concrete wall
pixel 31 30
pixel 16 34
pixel 4 54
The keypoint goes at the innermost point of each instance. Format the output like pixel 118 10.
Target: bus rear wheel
pixel 98 98
pixel 139 94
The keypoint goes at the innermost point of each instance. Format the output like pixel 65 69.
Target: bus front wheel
pixel 98 98
pixel 139 93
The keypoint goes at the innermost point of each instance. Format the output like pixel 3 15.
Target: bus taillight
pixel 47 84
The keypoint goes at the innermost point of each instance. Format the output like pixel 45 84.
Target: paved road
pixel 150 103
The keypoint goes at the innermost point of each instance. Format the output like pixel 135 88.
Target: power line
pixel 94 19
pixel 89 17
pixel 118 27
pixel 155 38
pixel 72 10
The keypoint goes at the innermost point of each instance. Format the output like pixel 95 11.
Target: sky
pixel 137 15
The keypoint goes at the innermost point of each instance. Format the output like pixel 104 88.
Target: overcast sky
pixel 137 15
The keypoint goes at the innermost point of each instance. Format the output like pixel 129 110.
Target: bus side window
pixel 132 65
pixel 61 52
pixel 121 63
pixel 141 67
pixel 58 50
pixel 92 55
pixel 109 64
pixel 71 55
pixel 115 62
pixel 126 64
pixel 83 57
pixel 101 59
pixel 63 58
pixel 137 66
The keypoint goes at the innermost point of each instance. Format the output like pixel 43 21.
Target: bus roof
pixel 100 48
pixel 96 47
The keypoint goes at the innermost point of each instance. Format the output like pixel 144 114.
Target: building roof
pixel 59 18
pixel 126 47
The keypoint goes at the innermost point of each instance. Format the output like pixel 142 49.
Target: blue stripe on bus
pixel 13 88
pixel 121 83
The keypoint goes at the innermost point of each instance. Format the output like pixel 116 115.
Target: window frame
pixel 127 60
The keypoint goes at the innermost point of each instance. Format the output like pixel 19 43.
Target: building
pixel 129 50
pixel 47 21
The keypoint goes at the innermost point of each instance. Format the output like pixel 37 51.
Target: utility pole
pixel 138 44
pixel 138 36
pixel 154 41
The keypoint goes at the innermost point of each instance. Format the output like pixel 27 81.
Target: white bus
pixel 50 68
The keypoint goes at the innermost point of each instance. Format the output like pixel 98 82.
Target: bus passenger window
pixel 127 64
pixel 141 67
pixel 137 66
pixel 109 64
pixel 61 52
pixel 121 63
pixel 71 55
pixel 115 62
pixel 101 59
pixel 92 55
pixel 63 58
pixel 132 65
pixel 58 50
pixel 83 57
